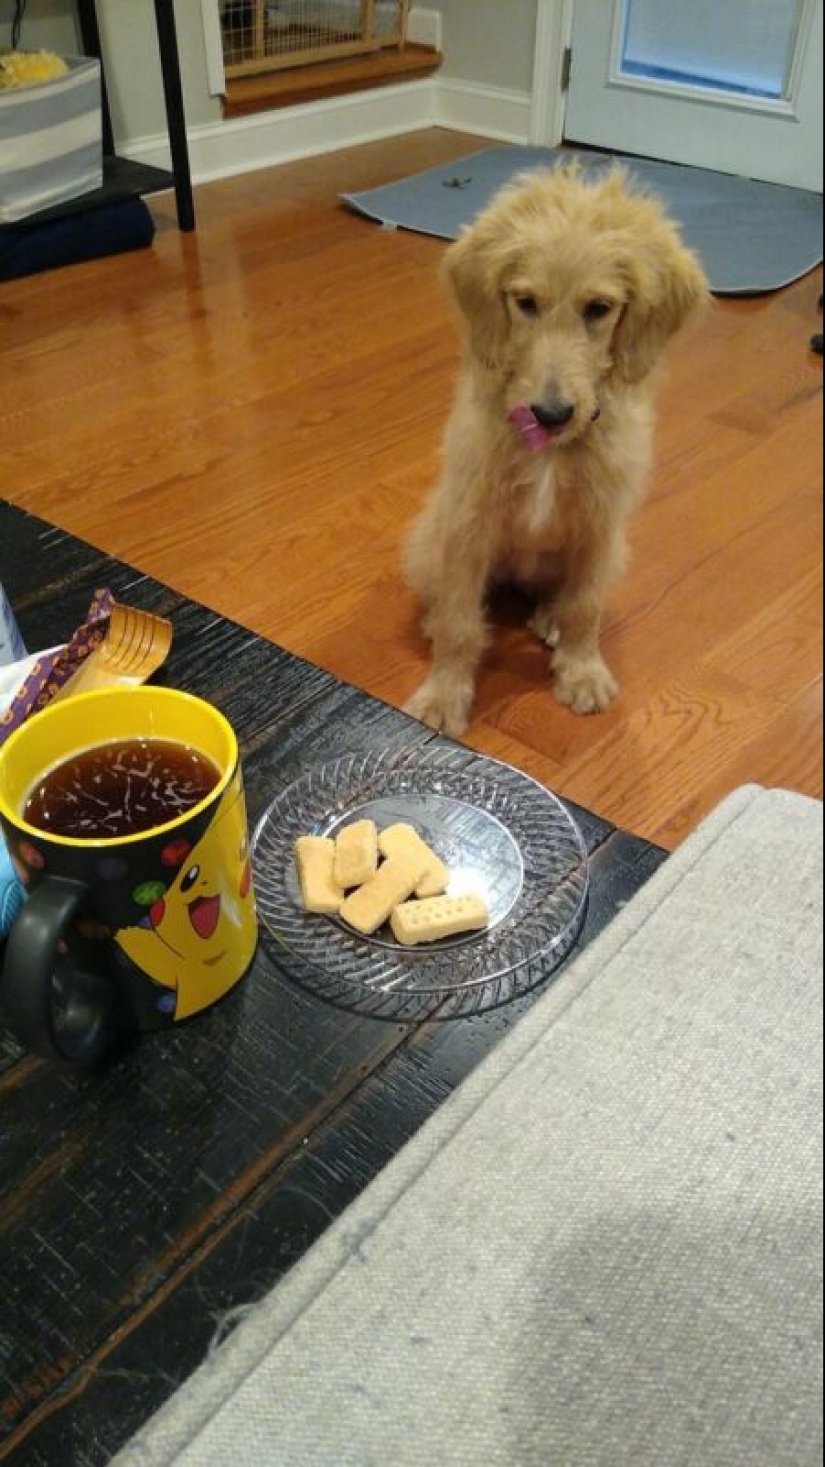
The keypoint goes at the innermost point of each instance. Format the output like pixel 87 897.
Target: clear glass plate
pixel 500 833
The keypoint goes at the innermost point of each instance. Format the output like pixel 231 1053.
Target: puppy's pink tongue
pixel 536 437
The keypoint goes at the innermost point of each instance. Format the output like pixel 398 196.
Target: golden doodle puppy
pixel 568 291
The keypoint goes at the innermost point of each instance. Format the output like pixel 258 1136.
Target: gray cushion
pixel 606 1248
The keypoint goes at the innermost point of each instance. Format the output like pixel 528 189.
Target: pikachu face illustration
pixel 200 933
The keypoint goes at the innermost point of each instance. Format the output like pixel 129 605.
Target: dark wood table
pixel 145 1199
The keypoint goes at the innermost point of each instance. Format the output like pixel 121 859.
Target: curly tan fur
pixel 568 292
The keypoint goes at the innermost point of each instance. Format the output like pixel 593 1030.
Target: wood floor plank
pixel 682 738
pixel 778 648
pixel 786 750
pixel 254 414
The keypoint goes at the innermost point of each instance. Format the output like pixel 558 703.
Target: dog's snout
pixel 555 414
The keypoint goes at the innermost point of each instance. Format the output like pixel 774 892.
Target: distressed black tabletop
pixel 143 1201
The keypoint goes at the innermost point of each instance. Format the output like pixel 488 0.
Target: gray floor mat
pixel 751 237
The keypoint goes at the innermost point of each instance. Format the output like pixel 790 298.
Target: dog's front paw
pixel 584 684
pixel 445 709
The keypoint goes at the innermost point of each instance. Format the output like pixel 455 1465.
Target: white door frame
pixel 554 32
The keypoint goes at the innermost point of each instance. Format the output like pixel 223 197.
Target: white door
pixel 732 85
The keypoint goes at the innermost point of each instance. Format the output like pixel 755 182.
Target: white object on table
pixel 11 642
pixel 14 675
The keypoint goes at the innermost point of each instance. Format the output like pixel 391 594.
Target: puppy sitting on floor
pixel 569 290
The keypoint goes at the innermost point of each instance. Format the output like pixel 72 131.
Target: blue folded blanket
pixel 12 895
pixel 110 229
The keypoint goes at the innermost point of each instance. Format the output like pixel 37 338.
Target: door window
pixel 739 46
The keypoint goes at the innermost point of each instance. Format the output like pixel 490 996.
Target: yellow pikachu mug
pixel 124 815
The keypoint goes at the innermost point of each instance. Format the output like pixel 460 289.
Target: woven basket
pixel 51 141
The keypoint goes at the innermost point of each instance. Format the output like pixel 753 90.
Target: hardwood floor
pixel 254 414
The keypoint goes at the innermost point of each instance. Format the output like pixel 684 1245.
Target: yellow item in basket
pixel 368 909
pixel 315 859
pixel 404 840
pixel 356 855
pixel 26 68
pixel 443 916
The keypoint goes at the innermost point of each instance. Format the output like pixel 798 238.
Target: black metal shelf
pixel 122 178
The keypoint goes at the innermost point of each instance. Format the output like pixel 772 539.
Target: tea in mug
pixel 120 789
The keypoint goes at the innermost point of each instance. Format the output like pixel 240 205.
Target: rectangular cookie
pixel 404 839
pixel 368 909
pixel 356 855
pixel 315 859
pixel 442 916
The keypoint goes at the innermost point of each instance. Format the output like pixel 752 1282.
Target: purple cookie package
pixel 51 671
pixel 11 650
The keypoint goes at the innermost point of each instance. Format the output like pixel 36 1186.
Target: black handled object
pixel 55 1009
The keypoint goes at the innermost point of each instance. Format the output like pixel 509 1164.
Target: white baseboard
pixel 265 139
pixel 489 111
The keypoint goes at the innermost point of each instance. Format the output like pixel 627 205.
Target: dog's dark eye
pixel 597 310
pixel 528 305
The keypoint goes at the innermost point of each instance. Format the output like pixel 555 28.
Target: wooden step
pixel 328 79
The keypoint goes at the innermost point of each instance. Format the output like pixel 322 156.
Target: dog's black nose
pixel 554 414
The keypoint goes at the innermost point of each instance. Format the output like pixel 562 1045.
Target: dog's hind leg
pixel 545 624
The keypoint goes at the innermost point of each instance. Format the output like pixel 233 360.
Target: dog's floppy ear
pixel 472 272
pixel 667 285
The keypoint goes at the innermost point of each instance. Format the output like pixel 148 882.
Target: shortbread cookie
pixel 315 859
pixel 405 840
pixel 443 916
pixel 356 855
pixel 368 909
